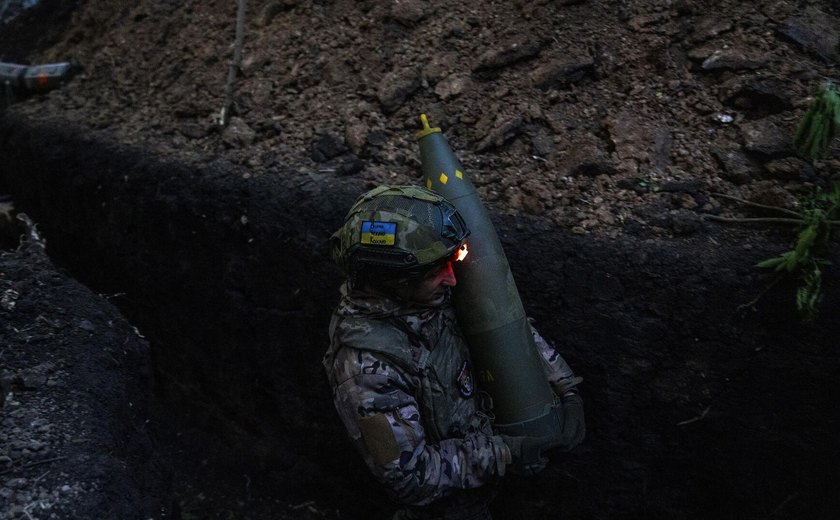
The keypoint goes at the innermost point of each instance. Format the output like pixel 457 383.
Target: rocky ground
pixel 596 114
pixel 601 118
pixel 74 376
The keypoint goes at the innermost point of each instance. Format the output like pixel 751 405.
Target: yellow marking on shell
pixel 443 178
pixel 459 174
pixel 429 183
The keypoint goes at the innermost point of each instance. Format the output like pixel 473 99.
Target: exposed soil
pixel 74 403
pixel 596 114
pixel 597 131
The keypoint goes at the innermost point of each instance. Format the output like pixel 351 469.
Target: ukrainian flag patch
pixel 379 233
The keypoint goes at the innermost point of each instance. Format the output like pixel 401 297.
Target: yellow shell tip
pixel 426 130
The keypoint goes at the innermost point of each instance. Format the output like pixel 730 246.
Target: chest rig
pixel 434 359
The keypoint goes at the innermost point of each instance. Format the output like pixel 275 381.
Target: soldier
pixel 400 369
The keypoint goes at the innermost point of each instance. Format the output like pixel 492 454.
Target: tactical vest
pixel 435 361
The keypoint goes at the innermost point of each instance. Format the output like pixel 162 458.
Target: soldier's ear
pixel 335 248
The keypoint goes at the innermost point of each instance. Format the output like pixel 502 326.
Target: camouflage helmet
pixel 397 232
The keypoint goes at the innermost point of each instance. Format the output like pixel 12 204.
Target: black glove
pixel 526 453
pixel 573 425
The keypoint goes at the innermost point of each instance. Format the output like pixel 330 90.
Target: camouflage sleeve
pixel 559 373
pixel 383 419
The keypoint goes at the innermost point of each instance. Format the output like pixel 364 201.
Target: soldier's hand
pixel 573 427
pixel 527 453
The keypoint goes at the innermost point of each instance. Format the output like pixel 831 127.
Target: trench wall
pixel 693 409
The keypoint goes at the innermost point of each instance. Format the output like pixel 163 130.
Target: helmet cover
pixel 397 232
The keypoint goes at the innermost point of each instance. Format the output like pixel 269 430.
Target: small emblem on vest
pixel 464 380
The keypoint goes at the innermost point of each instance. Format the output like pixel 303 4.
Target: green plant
pixel 805 258
pixel 813 138
pixel 819 125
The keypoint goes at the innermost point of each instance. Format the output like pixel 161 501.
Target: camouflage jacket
pixel 403 387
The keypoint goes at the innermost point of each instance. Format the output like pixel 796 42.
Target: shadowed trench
pixel 694 409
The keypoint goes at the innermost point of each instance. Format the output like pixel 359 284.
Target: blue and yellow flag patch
pixel 379 233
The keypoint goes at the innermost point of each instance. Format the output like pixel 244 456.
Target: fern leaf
pixel 771 262
pixel 819 124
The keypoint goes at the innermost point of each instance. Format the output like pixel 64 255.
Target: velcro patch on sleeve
pixel 379 233
pixel 379 438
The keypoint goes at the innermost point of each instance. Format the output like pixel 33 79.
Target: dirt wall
pixel 74 400
pixel 694 409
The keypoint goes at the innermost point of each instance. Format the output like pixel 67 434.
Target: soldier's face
pixel 431 290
